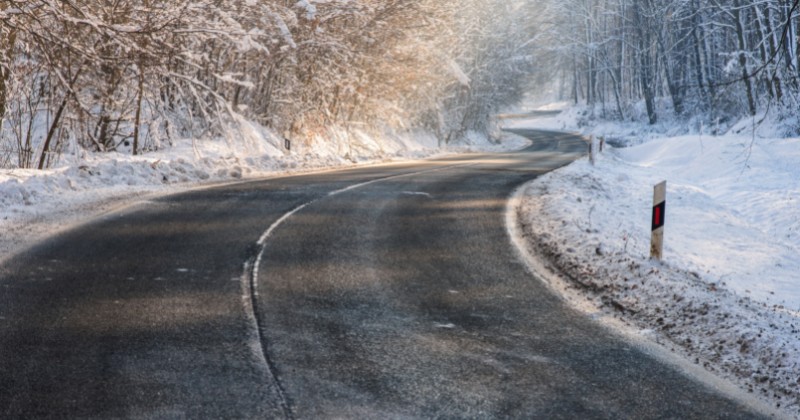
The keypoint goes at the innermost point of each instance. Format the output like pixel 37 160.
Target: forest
pixel 133 75
pixel 707 62
pixel 104 75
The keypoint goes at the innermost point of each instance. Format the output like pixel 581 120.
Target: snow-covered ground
pixel 727 294
pixel 35 204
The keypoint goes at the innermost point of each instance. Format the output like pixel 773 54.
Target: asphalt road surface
pixel 380 292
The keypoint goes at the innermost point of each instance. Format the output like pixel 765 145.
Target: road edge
pixel 30 230
pixel 546 271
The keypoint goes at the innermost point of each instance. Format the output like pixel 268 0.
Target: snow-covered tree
pixel 129 75
pixel 717 59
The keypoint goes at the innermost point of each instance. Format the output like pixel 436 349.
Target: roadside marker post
pixel 592 150
pixel 287 143
pixel 657 224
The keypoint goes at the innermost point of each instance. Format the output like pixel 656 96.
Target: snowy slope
pixel 728 292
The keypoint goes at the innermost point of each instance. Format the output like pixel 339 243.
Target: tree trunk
pixel 647 88
pixel 773 49
pixel 740 37
pixel 796 36
pixel 52 131
pixel 5 73
pixel 3 94
pixel 575 81
pixel 697 37
pixel 56 120
pixel 762 49
pixel 645 64
pixel 590 78
pixel 138 117
pixel 675 90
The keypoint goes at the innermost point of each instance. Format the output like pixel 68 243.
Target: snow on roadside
pixel 35 204
pixel 727 295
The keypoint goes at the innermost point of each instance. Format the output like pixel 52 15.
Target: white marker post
pixel 592 150
pixel 657 225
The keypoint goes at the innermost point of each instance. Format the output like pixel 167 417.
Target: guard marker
pixel 657 224
pixel 592 150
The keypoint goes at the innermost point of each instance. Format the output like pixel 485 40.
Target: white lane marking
pixel 388 178
pixel 264 237
pixel 424 194
pixel 247 300
pixel 263 240
pixel 254 340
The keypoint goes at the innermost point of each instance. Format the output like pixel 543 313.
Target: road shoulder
pixel 591 283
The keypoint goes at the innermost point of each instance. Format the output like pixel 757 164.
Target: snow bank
pixel 728 293
pixel 733 208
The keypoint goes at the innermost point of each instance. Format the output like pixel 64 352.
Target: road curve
pixel 388 291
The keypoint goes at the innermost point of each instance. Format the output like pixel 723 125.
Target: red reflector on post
pixel 658 215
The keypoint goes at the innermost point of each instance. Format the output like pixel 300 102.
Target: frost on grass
pixel 724 296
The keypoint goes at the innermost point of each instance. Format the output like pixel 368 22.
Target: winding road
pixel 389 291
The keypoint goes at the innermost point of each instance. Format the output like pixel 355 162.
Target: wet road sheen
pixel 399 295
